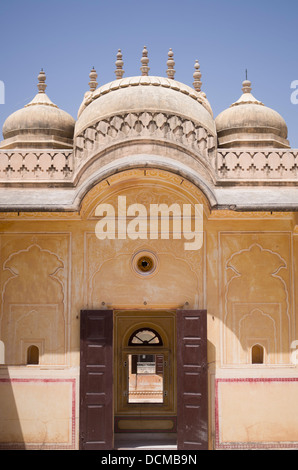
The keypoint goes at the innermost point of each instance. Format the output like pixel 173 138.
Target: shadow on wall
pixel 11 433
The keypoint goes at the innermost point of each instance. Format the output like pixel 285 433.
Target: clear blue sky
pixel 68 37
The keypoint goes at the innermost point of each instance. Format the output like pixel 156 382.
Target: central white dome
pixel 145 93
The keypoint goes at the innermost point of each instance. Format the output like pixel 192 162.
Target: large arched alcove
pixel 180 272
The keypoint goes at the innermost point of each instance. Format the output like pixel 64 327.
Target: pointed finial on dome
pixel 145 61
pixel 246 97
pixel 246 86
pixel 170 64
pixel 197 76
pixel 41 82
pixel 119 64
pixel 93 76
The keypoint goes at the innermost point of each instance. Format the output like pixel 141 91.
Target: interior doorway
pixel 145 372
pixel 143 376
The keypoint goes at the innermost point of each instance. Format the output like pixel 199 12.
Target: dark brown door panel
pixel 96 380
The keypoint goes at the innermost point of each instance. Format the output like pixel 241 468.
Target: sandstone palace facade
pixel 109 336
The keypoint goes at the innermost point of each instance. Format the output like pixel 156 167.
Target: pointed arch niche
pixel 256 304
pixel 33 308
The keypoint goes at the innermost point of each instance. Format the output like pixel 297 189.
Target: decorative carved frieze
pixel 144 125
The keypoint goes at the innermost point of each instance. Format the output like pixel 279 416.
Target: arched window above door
pixel 145 337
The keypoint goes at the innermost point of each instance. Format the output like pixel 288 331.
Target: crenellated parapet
pixel 36 166
pixel 253 165
pixel 228 166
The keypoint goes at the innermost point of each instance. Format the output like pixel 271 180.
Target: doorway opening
pixel 145 387
pixel 143 375
pixel 145 370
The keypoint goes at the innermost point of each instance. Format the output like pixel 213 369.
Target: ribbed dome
pixel 145 93
pixel 248 123
pixel 40 124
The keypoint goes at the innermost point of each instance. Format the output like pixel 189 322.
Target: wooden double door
pixel 136 363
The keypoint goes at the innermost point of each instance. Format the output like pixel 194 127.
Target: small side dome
pixel 40 124
pixel 248 123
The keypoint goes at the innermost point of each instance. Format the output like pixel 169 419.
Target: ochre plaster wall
pixel 257 413
pixel 245 275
